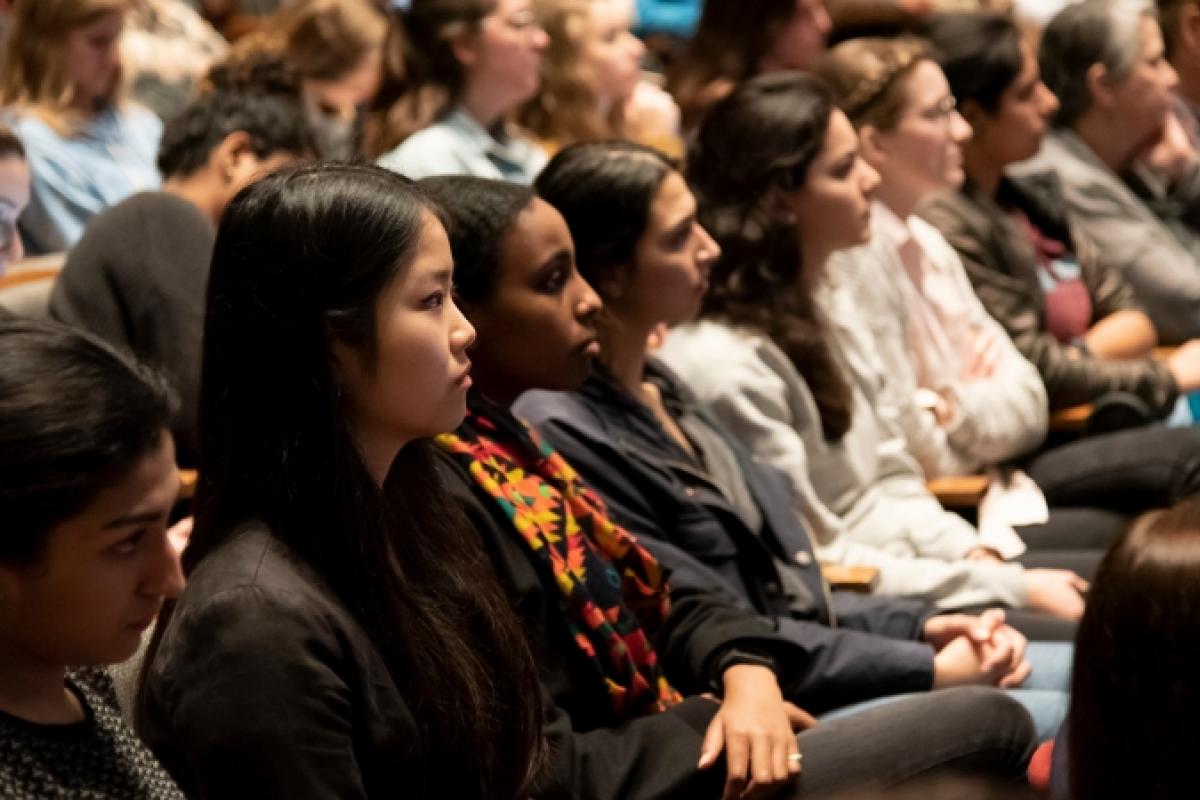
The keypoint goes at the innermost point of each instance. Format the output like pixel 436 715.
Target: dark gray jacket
pixel 659 492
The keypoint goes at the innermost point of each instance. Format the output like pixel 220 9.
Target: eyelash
pixel 554 281
pixel 128 546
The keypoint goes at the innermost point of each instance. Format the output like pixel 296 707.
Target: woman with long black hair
pixel 340 636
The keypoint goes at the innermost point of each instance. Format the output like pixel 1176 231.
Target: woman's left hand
pixel 756 729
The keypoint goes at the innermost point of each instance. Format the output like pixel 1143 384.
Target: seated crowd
pixel 513 399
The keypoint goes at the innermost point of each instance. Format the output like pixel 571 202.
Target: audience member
pixel 14 196
pixel 1062 296
pixel 336 47
pixel 592 87
pixel 1134 698
pixel 60 80
pixel 798 192
pixel 620 649
pixel 962 393
pixel 87 479
pixel 167 47
pixel 138 275
pixel 736 40
pixel 1103 60
pixel 455 71
pixel 339 636
pixel 691 493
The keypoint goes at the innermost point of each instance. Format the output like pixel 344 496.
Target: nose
pixel 869 180
pixel 709 250
pixel 1048 101
pixel 167 580
pixel 587 302
pixel 539 38
pixel 960 129
pixel 1170 76
pixel 822 19
pixel 462 332
pixel 636 47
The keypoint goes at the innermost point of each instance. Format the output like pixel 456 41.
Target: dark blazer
pixel 656 490
pixel 1002 266
pixel 593 754
pixel 266 687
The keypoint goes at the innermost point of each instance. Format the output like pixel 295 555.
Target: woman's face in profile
pixel 103 573
pixel 537 329
pixel 415 385
pixel 832 210
pixel 672 261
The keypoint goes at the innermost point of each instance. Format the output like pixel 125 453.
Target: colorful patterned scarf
pixel 610 588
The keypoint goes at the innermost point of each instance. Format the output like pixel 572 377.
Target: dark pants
pixel 973 730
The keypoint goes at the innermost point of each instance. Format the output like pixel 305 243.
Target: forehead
pixel 840 138
pixel 1150 40
pixel 108 24
pixel 432 254
pixel 926 84
pixel 611 12
pixel 672 203
pixel 504 8
pixel 536 235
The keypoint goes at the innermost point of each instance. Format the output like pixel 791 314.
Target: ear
pixel 874 145
pixel 229 158
pixel 1099 87
pixel 465 49
pixel 777 205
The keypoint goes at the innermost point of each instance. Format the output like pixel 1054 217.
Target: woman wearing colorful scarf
pixel 624 657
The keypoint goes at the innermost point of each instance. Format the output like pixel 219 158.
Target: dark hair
pixel 1134 697
pixel 479 212
pixel 10 145
pixel 422 77
pixel 273 119
pixel 730 38
pixel 776 125
pixel 980 54
pixel 300 260
pixel 604 190
pixel 76 416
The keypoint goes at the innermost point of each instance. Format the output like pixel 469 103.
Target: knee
pixel 991 721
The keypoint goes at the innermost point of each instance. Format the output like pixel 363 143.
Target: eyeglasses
pixel 942 112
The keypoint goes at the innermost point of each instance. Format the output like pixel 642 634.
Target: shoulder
pixel 955 213
pixel 715 358
pixel 430 151
pixel 539 407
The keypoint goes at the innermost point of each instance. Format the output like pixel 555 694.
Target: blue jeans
pixel 1046 693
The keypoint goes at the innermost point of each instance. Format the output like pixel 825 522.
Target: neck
pixel 1105 139
pixel 812 264
pixel 983 172
pixel 485 106
pixel 194 189
pixel 378 453
pixel 897 198
pixel 624 352
pixel 35 691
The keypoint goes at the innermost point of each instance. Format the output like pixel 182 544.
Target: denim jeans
pixel 973 729
pixel 1045 693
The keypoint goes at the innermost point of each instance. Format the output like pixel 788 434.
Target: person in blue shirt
pixel 59 90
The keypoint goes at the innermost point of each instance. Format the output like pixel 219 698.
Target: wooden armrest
pixel 962 491
pixel 853 579
pixel 1070 419
pixel 187 483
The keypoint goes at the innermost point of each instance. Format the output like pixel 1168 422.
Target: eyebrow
pixel 137 518
pixel 561 258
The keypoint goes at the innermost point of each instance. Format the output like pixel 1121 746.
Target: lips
pixel 464 377
pixel 588 347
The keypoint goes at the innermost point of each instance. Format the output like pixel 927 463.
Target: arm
pixel 1070 376
pixel 85 294
pixel 1122 329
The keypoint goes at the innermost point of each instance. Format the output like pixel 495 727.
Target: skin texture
pixel 801 41
pixel 97 586
pixel 341 98
pixel 92 53
pixel 537 330
pixel 832 211
pixel 611 53
pixel 502 63
pixel 14 196
pixel 922 153
pixel 416 386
